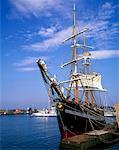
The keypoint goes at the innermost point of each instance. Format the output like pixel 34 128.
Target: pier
pixel 90 140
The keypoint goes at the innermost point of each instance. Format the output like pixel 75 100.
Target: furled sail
pixel 88 82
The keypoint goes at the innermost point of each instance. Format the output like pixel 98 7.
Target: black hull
pixel 73 120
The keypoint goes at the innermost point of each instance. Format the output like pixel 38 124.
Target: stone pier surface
pixel 90 140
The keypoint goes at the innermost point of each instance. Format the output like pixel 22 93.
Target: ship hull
pixel 74 120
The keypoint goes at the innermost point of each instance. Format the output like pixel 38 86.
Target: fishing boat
pixel 78 108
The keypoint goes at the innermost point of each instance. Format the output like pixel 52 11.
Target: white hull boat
pixel 109 114
pixel 43 113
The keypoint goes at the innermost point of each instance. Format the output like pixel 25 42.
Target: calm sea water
pixel 31 133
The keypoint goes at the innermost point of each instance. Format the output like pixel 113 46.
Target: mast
pixel 85 72
pixel 92 99
pixel 74 40
pixel 75 55
pixel 93 79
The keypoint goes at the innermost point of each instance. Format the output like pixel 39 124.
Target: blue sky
pixel 33 29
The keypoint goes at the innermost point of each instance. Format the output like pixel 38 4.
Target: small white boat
pixel 109 114
pixel 45 113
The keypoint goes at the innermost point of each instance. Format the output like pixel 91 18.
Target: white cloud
pixel 107 5
pixel 35 7
pixel 101 31
pixel 51 42
pixel 104 54
pixel 28 63
pixel 106 11
pixel 48 32
pixel 27 69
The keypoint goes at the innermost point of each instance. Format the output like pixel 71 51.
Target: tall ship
pixel 77 104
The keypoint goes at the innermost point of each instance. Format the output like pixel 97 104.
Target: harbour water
pixel 22 132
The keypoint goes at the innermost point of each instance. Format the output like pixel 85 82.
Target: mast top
pixel 75 44
pixel 74 7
